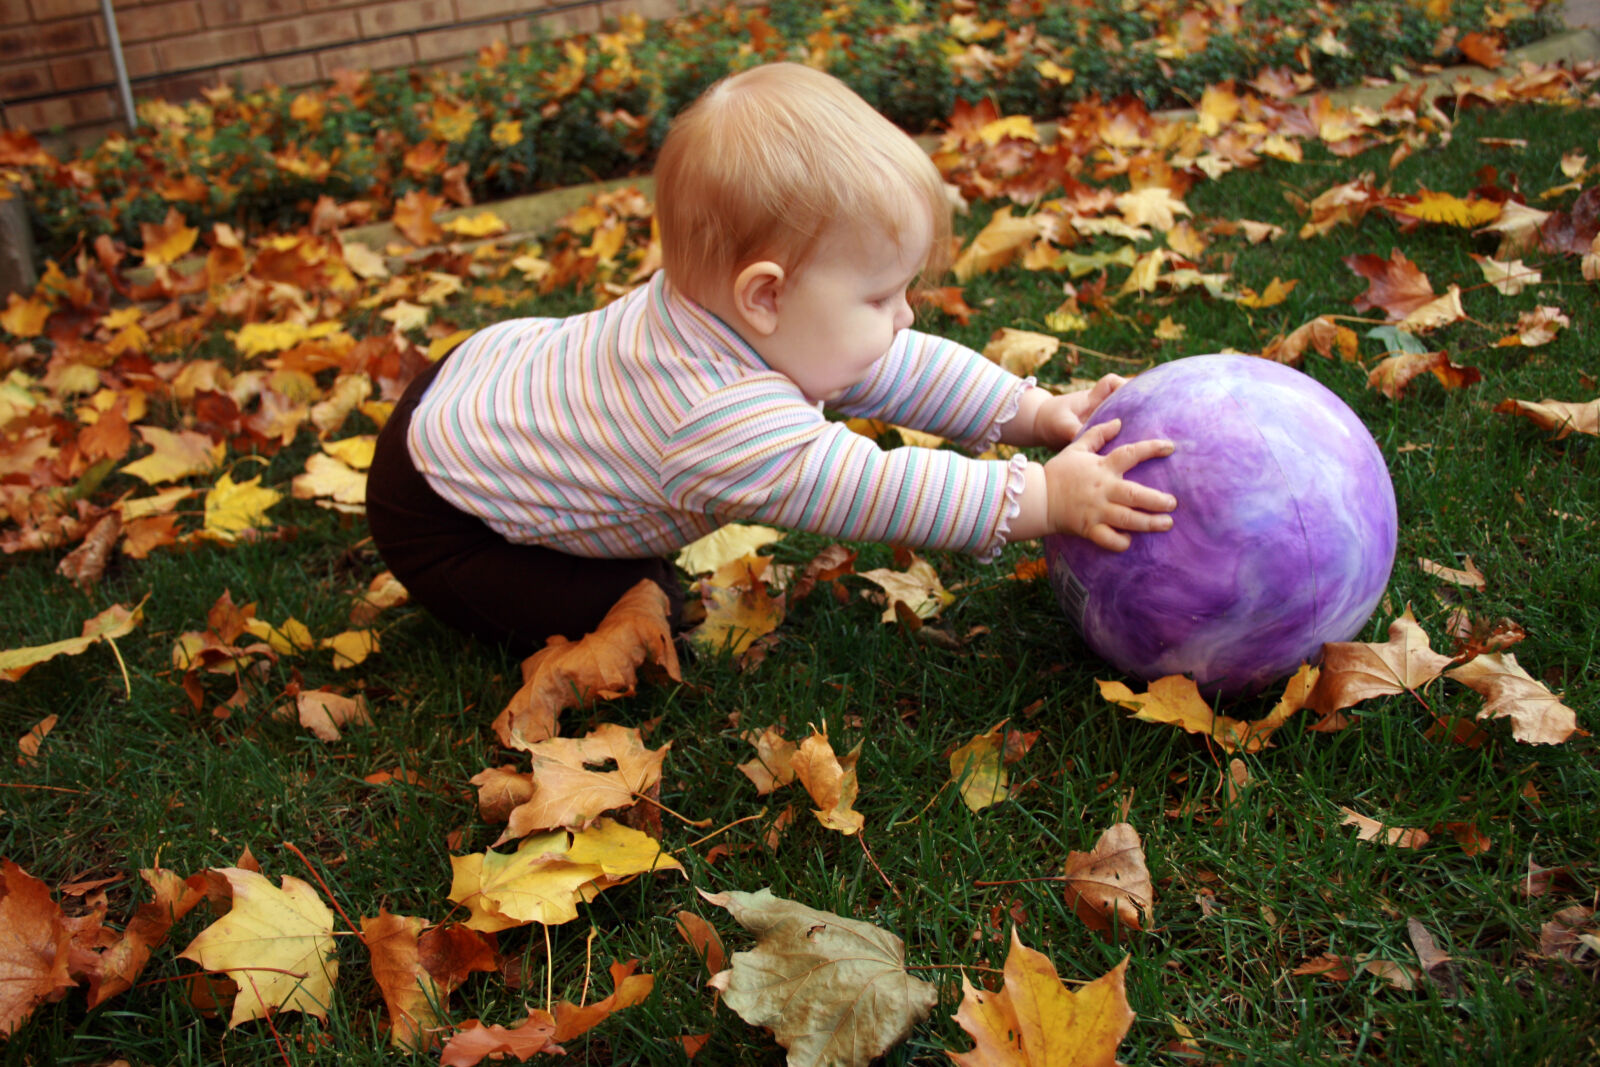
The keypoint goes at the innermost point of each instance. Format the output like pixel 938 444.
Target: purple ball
pixel 1283 538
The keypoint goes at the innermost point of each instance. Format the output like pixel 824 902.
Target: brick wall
pixel 58 78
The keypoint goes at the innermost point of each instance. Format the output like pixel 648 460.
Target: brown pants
pixel 470 577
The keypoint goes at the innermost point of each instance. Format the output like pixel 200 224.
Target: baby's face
pixel 840 312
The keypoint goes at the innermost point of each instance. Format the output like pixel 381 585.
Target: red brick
pixel 564 22
pixel 237 12
pixel 76 72
pixel 309 31
pixel 462 41
pixel 180 87
pixel 160 21
pixel 141 60
pixel 289 72
pixel 610 10
pixel 328 5
pixel 45 10
pixel 402 15
pixel 25 79
pixel 370 55
pixel 212 46
pixel 483 9
pixel 15 13
pixel 40 115
pixel 62 37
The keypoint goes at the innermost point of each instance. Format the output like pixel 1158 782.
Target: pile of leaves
pixel 138 406
pixel 556 112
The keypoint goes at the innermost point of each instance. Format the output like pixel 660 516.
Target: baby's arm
pixel 1045 418
pixel 1081 492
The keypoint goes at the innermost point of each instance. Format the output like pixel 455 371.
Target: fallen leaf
pixel 918 587
pixel 773 765
pixel 1111 881
pixel 831 782
pixel 1022 352
pixel 415 1002
pixel 1469 576
pixel 34 946
pixel 277 943
pixel 1176 700
pixel 1536 327
pixel 1369 829
pixel 1395 286
pixel 1034 1020
pixel 475 1041
pixel 568 791
pixel 724 545
pixel 1537 715
pixel 323 712
pixel 1562 416
pixel 997 244
pixel 1353 671
pixel 704 939
pixel 832 990
pixel 601 666
pixel 1391 376
pixel 627 989
pixel 118 620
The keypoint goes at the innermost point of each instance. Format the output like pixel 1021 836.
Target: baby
pixel 545 466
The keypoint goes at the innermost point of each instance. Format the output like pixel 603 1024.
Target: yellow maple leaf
pixel 536 883
pixel 1154 206
pixel 1176 700
pixel 24 316
pixel 1451 210
pixel 979 771
pixel 724 545
pixel 622 854
pixel 507 133
pixel 234 507
pixel 177 455
pixel 351 647
pixel 355 452
pixel 277 944
pixel 405 315
pixel 1020 351
pixel 483 224
pixel 363 261
pixel 1035 1019
pixel 167 241
pixel 996 244
pixel 116 621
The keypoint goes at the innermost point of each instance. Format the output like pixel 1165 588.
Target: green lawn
pixel 133 776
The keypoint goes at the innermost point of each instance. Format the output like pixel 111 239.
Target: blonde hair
pixel 767 160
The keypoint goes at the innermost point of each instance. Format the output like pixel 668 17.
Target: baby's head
pixel 769 160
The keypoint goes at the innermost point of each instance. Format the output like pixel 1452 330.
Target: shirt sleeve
pixel 935 385
pixel 756 450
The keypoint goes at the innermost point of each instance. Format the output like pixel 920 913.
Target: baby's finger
pixel 1137 521
pixel 1126 457
pixel 1095 437
pixel 1108 538
pixel 1144 498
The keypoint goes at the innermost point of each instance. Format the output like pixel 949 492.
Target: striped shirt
pixel 632 430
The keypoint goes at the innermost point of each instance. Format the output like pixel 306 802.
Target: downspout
pixel 124 90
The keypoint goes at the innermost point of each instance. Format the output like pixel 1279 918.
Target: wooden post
pixel 18 274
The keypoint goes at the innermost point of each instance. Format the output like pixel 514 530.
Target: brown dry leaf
pixel 86 564
pixel 28 744
pixel 627 989
pixel 1034 1020
pixel 1395 286
pixel 773 765
pixel 1536 327
pixel 918 587
pixel 601 666
pixel 1022 352
pixel 833 991
pixel 740 608
pixel 1570 933
pixel 1537 715
pixel 415 1002
pixel 1321 334
pixel 1486 50
pixel 323 712
pixel 475 1041
pixel 1562 416
pixel 704 939
pixel 1508 278
pixel 1392 375
pixel 1337 968
pixel 33 947
pixel 1519 227
pixel 384 591
pixel 1112 880
pixel 413 216
pixel 568 792
pixel 1353 671
pixel 831 782
pixel 1469 576
pixel 1369 829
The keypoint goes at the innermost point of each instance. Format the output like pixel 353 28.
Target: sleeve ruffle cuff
pixel 1007 411
pixel 1016 478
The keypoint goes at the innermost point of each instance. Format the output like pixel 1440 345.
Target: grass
pixel 132 776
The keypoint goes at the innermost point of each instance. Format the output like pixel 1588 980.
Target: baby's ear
pixel 755 295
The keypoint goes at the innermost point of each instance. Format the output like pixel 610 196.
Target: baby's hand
pixel 1060 419
pixel 1090 498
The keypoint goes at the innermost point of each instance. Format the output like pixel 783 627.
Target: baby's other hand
pixel 1089 496
pixel 1060 419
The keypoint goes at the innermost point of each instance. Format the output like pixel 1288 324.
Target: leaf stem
pixel 724 829
pixel 354 929
pixel 862 837
pixel 1022 881
pixel 698 824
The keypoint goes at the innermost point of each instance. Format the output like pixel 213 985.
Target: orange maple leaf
pixel 33 946
pixel 1396 285
pixel 167 241
pixel 1111 880
pixel 1392 375
pixel 413 216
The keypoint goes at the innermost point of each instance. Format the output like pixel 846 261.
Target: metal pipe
pixel 124 90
